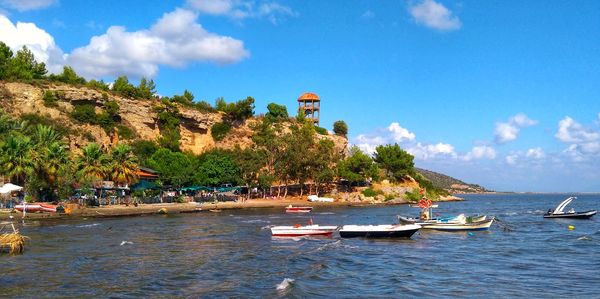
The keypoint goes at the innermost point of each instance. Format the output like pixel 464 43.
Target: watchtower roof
pixel 308 96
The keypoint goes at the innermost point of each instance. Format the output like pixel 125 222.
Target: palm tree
pixel 43 136
pixel 92 164
pixel 16 161
pixel 54 159
pixel 124 165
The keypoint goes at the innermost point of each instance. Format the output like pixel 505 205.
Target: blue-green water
pixel 231 254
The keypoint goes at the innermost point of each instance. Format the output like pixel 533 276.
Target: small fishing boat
pixel 379 231
pixel 299 230
pixel 291 209
pixel 315 198
pixel 560 213
pixel 36 207
pixel 458 223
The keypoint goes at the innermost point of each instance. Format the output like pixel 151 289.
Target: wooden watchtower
pixel 311 104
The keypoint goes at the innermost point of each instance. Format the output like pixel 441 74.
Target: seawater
pixel 232 254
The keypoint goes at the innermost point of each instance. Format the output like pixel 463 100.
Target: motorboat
pixel 291 209
pixel 306 230
pixel 560 213
pixel 315 198
pixel 36 207
pixel 458 223
pixel 379 231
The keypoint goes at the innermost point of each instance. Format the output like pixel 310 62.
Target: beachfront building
pixel 311 105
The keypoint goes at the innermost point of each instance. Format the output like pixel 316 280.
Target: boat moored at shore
pixel 379 231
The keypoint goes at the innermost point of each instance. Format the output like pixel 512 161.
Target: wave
pixel 256 221
pixel 584 238
pixel 88 225
pixel 285 284
pixel 126 243
pixel 326 213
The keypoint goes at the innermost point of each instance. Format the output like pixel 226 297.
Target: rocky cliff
pixel 18 99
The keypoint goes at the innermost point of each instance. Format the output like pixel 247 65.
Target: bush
pixel 50 99
pixel 340 128
pixel 84 113
pixel 125 132
pixel 220 130
pixel 34 119
pixel 413 196
pixel 369 192
pixel 321 131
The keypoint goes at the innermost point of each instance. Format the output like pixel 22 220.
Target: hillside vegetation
pixel 449 183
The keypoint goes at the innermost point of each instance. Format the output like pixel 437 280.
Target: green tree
pixel 85 113
pixel 250 162
pixel 146 89
pixel 5 57
pixel 358 167
pixel 143 150
pixel 340 128
pixel 100 85
pixel 124 165
pixel 23 66
pixel 124 88
pixel 395 161
pixel 68 76
pixel 93 164
pixel 276 112
pixel 217 167
pixel 16 161
pixel 238 111
pixel 175 168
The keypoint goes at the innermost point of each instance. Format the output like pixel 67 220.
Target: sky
pixel 505 94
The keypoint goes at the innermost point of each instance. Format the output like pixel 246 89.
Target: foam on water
pixel 256 221
pixel 88 225
pixel 126 243
pixel 285 284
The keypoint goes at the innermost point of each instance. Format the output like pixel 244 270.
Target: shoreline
pixel 191 207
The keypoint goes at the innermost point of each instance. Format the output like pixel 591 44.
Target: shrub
pixel 321 131
pixel 88 136
pixel 125 132
pixel 220 130
pixel 84 113
pixel 50 99
pixel 369 192
pixel 340 128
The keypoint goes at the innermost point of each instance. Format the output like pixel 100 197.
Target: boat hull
pixel 577 215
pixel 298 209
pixel 298 231
pixel 480 225
pixel 378 231
pixel 36 207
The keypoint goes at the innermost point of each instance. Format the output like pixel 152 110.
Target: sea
pixel 232 255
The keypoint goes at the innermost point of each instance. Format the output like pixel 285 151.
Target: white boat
pixel 560 213
pixel 315 198
pixel 299 230
pixel 379 231
pixel 458 223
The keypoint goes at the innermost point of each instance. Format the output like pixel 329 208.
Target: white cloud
pixel 430 151
pixel 175 40
pixel 480 152
pixel 535 153
pixel 570 131
pixel 399 133
pixel 509 131
pixel 23 5
pixel 434 15
pixel 40 43
pixel 242 9
pixel 368 143
pixel 512 159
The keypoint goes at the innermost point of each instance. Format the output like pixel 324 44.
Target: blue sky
pixel 501 93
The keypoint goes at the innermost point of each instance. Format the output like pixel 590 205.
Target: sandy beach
pixel 191 207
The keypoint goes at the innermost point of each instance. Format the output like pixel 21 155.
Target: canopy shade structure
pixel 8 187
pixel 144 185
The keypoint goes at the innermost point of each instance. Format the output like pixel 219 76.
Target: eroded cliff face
pixel 140 116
